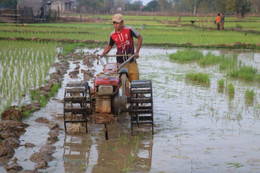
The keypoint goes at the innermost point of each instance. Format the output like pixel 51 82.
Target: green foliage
pixel 183 56
pixel 152 6
pixel 201 78
pixel 241 7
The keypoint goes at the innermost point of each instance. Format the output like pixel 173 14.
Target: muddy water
pixel 197 128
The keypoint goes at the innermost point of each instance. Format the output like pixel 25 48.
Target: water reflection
pixel 122 152
pixel 76 154
pixel 126 153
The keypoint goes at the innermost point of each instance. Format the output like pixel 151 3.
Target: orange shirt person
pixel 218 20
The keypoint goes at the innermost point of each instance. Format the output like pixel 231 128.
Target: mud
pixel 11 114
pixel 197 129
pixel 103 118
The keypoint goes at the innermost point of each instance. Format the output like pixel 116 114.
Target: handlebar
pixel 121 65
pixel 127 61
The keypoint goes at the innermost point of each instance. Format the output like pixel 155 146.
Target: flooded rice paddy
pixel 197 128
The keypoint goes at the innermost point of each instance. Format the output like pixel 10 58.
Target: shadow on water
pixel 197 128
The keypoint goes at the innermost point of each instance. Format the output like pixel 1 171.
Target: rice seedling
pixel 209 59
pixel 249 96
pixel 43 101
pixel 201 78
pixel 221 83
pixel 228 63
pixel 245 73
pixel 183 56
pixel 258 78
pixel 236 165
pixel 22 69
pixel 54 89
pixel 231 90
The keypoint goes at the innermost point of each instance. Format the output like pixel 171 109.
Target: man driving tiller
pixel 123 37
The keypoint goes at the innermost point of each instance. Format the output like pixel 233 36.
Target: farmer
pixel 123 37
pixel 222 21
pixel 218 20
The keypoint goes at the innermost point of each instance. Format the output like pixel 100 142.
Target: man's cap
pixel 117 18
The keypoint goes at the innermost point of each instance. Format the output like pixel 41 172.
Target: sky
pixel 145 2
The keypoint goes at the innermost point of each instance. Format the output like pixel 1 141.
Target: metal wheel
pixel 123 97
pixel 141 104
pixel 115 104
pixel 77 103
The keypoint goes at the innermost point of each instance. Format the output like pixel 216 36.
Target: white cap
pixel 117 18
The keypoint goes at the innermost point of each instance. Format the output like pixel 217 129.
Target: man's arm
pixel 107 49
pixel 139 44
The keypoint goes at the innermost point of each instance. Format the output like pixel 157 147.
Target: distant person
pixel 218 21
pixel 123 36
pixel 222 21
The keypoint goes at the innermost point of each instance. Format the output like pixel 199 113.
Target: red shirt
pixel 124 41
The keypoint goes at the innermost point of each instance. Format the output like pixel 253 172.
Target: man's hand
pixel 97 56
pixel 136 55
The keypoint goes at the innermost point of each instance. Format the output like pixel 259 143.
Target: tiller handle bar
pixel 122 65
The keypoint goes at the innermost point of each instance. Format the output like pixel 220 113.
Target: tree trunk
pixel 195 8
pixel 238 14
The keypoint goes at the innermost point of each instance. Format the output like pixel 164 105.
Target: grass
pixel 201 78
pixel 152 33
pixel 69 47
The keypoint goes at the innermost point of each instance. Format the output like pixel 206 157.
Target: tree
pixel 241 7
pixel 163 5
pixel 256 6
pixel 221 5
pixel 92 5
pixel 205 6
pixel 108 5
pixel 183 6
pixel 152 6
pixel 135 6
pixel 10 3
